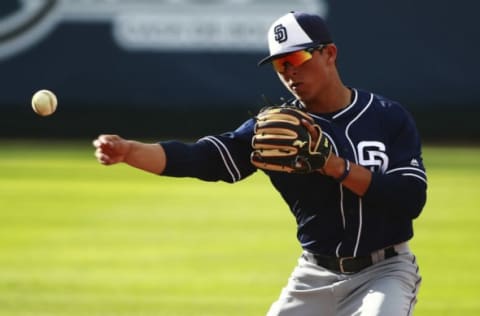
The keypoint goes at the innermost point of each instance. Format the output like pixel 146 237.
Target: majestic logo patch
pixel 414 163
pixel 372 154
pixel 280 33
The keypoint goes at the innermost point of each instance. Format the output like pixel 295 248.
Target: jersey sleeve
pixel 224 157
pixel 402 187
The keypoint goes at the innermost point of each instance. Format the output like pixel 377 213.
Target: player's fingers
pixel 314 131
pixel 311 129
pixel 101 156
pixel 106 141
pixel 110 149
pixel 105 159
pixel 97 143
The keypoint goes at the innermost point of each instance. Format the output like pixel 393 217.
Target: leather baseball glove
pixel 283 143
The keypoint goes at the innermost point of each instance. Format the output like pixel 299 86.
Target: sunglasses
pixel 295 59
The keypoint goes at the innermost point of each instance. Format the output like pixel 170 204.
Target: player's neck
pixel 332 100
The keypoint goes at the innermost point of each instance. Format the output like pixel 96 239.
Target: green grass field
pixel 78 238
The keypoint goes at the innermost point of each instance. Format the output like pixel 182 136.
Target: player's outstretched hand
pixel 111 149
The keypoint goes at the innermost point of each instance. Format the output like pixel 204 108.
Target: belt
pixel 353 264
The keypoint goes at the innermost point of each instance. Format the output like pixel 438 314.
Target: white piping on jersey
pixel 360 202
pixel 342 210
pixel 318 117
pixel 353 121
pixel 338 249
pixel 360 225
pixel 344 221
pixel 414 175
pixel 340 113
pixel 348 107
pixel 217 143
pixel 407 168
pixel 424 178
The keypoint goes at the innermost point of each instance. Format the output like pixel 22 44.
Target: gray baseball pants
pixel 387 288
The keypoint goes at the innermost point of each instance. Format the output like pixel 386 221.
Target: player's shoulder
pixel 377 100
pixel 393 114
pixel 386 103
pixel 385 106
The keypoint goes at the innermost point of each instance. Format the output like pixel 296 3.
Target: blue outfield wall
pixel 143 67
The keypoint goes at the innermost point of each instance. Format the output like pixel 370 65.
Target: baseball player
pixel 346 161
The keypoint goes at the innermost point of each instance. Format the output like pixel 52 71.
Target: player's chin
pixel 303 97
pixel 300 92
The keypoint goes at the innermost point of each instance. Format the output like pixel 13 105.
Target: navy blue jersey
pixel 372 131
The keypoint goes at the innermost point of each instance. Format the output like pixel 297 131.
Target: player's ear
pixel 331 51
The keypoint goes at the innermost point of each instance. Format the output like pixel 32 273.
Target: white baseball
pixel 44 102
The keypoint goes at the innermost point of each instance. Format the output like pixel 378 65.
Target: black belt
pixel 349 264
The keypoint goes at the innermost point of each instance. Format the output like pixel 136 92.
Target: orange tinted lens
pixel 294 59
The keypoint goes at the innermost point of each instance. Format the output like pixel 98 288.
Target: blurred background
pixel 80 239
pixel 148 68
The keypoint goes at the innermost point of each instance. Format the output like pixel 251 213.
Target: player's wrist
pixel 346 172
pixel 337 168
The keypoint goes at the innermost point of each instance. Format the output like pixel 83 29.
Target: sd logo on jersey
pixel 372 154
